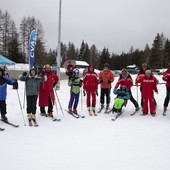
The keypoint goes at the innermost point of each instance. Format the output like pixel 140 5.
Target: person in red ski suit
pixel 46 92
pixel 126 80
pixel 149 85
pixel 90 86
pixel 140 75
pixel 166 77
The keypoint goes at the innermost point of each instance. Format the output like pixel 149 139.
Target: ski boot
pixel 4 118
pixel 29 119
pixel 70 111
pixel 107 108
pixel 43 114
pixel 101 108
pixel 34 120
pixel 50 114
pixel 90 114
pixel 94 112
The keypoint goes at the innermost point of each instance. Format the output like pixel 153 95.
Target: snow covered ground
pixel 93 143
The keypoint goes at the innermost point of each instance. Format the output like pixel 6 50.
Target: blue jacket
pixel 122 94
pixel 3 86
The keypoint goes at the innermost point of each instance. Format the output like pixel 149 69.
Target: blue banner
pixel 32 48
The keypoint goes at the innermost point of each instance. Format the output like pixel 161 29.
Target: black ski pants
pixel 105 92
pixel 3 107
pixel 133 100
pixel 31 104
pixel 167 98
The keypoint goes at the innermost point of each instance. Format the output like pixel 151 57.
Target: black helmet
pixel 107 65
pixel 123 88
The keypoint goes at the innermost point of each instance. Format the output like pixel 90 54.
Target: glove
pixel 97 93
pixel 24 74
pixel 43 72
pixel 109 81
pixel 101 81
pixel 54 84
pixel 15 85
pixel 84 92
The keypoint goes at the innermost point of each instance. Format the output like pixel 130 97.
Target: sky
pixel 113 24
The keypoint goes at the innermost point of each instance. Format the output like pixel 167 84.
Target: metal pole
pixel 58 58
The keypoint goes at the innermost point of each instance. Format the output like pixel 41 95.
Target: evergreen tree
pixel 167 53
pixel 71 53
pixel 104 58
pixel 157 53
pixel 94 55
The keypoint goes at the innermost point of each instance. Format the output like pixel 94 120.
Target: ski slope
pixel 93 143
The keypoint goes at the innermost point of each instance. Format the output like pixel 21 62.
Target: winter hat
pixel 144 65
pixel 124 69
pixel 47 67
pixel 107 65
pixel 90 66
pixel 31 70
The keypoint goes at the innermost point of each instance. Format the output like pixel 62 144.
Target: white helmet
pixel 75 72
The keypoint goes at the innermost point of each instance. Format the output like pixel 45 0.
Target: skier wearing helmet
pixel 75 83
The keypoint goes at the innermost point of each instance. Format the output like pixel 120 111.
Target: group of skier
pixel 42 86
pixel 145 80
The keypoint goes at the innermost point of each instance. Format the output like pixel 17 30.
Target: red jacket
pixel 149 85
pixel 90 82
pixel 166 77
pixel 106 76
pixel 128 82
pixel 46 89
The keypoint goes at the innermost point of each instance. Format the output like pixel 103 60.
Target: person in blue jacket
pixel 3 93
pixel 121 100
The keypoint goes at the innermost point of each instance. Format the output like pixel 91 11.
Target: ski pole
pixel 21 107
pixel 59 103
pixel 137 92
pixel 56 107
pixel 81 100
pixel 24 97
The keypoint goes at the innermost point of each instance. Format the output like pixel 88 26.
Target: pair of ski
pixel 55 119
pixel 106 111
pixel 116 115
pixel 75 115
pixel 8 123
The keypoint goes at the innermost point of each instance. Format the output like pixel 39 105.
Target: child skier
pixel 75 83
pixel 121 100
pixel 3 91
pixel 126 79
pixel 32 83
